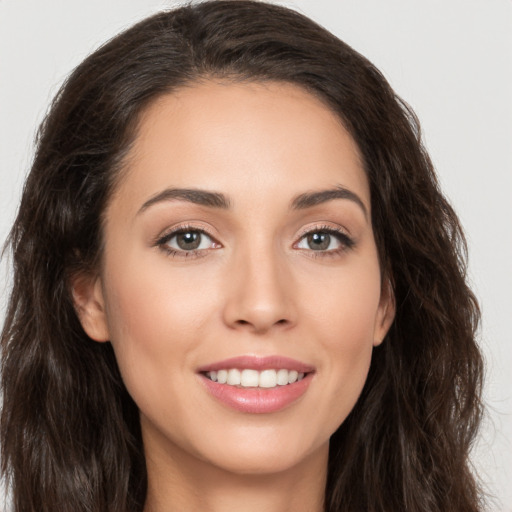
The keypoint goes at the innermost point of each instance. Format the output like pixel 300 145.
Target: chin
pixel 263 464
pixel 263 454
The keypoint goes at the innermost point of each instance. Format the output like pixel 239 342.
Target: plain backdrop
pixel 451 60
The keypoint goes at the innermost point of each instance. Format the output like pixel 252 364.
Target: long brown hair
pixel 70 432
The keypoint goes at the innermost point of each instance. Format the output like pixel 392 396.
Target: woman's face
pixel 239 246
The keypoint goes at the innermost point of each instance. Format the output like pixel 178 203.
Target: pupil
pixel 188 240
pixel 319 241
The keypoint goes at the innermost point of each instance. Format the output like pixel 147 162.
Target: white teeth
pixel 250 378
pixel 233 377
pixel 253 378
pixel 268 379
pixel 282 377
pixel 292 376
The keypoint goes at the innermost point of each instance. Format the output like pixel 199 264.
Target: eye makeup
pixel 324 241
pixel 188 240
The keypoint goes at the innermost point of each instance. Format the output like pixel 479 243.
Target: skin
pixel 255 287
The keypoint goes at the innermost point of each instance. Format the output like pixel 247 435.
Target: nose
pixel 259 294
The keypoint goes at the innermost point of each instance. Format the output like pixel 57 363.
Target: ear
pixel 88 299
pixel 385 313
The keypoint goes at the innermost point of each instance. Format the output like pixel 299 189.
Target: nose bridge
pixel 259 294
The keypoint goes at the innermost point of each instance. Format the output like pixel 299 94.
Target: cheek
pixel 152 300
pixel 345 305
pixel 155 322
pixel 345 317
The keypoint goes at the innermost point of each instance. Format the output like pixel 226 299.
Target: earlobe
pixel 385 314
pixel 88 300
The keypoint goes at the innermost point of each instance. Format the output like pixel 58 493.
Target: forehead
pixel 240 138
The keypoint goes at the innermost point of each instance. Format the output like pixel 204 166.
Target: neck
pixel 185 484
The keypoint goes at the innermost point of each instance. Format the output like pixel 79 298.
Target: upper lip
pixel 259 363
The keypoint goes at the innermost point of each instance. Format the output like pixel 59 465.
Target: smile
pixel 257 385
pixel 249 378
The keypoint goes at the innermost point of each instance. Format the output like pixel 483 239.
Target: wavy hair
pixel 70 432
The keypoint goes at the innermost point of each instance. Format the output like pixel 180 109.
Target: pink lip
pixel 258 400
pixel 258 363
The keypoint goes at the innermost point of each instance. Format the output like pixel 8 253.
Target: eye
pixel 187 241
pixel 325 240
pixel 319 241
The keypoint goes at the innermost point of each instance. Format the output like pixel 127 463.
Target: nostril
pixel 241 322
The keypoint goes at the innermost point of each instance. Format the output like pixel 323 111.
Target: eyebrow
pixel 192 195
pixel 309 199
pixel 218 200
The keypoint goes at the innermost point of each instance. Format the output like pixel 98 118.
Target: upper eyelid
pixel 180 228
pixel 324 227
pixel 167 234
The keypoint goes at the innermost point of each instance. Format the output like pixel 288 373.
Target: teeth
pixel 222 376
pixel 268 379
pixel 250 378
pixel 253 378
pixel 282 377
pixel 233 377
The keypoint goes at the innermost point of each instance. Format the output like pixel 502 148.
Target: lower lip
pixel 258 400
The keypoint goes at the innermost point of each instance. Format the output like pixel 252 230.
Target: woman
pixel 237 284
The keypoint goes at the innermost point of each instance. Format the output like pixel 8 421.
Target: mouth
pixel 254 385
pixel 248 378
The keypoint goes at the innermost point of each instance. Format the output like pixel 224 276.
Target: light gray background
pixel 450 59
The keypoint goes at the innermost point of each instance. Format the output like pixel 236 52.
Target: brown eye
pixel 323 240
pixel 188 241
pixel 318 241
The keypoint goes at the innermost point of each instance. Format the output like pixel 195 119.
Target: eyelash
pixel 346 242
pixel 162 242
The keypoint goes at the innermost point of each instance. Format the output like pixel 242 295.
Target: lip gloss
pixel 257 400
